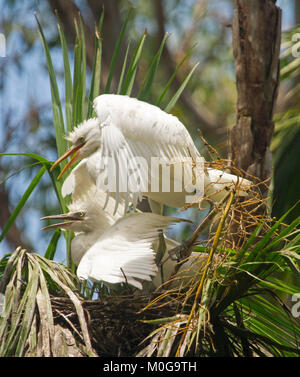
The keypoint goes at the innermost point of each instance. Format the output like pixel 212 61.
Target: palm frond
pixel 28 325
pixel 240 311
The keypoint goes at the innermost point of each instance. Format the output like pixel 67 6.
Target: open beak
pixel 71 218
pixel 74 149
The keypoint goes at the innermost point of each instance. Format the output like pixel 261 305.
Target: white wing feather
pixel 139 129
pixel 142 122
pixel 113 164
pixel 117 262
pixel 124 252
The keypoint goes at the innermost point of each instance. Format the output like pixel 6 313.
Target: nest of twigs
pixel 117 324
pixel 45 315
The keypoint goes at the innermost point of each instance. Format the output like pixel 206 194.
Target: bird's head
pixel 85 215
pixel 85 140
pixel 74 221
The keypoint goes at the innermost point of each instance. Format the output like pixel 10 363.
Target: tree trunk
pixel 297 12
pixel 256 46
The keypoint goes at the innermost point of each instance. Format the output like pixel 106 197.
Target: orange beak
pixel 69 152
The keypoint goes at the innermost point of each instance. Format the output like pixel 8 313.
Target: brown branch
pixel 68 12
pixel 256 46
pixel 256 34
pixel 13 236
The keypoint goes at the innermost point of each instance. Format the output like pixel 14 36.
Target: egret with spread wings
pixel 120 144
pixel 108 247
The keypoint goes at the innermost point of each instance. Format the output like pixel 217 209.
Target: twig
pixel 185 250
pixel 211 253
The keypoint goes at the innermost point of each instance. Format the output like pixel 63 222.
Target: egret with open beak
pixel 71 220
pixel 118 253
pixel 72 151
pixel 127 129
pixel 86 144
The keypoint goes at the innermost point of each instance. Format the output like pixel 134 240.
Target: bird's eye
pixel 81 214
pixel 80 140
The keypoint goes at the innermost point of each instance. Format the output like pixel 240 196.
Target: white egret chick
pixel 117 253
pixel 121 143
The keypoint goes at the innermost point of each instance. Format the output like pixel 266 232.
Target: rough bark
pixel 297 12
pixel 256 47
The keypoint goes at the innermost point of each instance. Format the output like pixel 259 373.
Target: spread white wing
pixel 124 252
pixel 118 172
pixel 133 132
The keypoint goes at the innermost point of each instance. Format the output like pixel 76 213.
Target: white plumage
pixel 127 129
pixel 118 253
pixel 124 252
pixel 80 184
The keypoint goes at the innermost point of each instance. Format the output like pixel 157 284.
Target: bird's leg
pixel 161 249
pixel 126 282
pixel 184 250
pixel 178 253
pixel 160 252
pixel 158 209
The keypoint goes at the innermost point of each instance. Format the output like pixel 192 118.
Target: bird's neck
pixel 81 243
